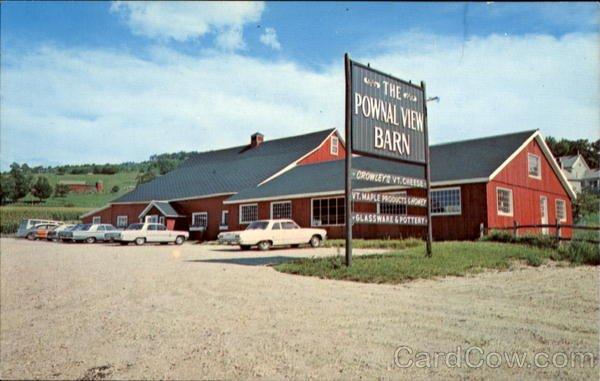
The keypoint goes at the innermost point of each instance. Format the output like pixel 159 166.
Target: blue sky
pixel 110 82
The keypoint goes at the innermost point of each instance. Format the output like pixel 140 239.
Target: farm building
pixel 489 182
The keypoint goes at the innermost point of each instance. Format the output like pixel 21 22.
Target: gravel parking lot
pixel 205 312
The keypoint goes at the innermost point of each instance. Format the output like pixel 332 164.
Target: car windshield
pixel 23 225
pixel 135 227
pixel 258 225
pixel 74 228
pixel 85 227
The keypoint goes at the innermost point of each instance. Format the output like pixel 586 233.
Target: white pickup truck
pixel 149 233
pixel 267 233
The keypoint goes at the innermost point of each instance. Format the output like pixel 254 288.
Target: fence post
pixel 558 229
pixel 515 228
pixel 481 230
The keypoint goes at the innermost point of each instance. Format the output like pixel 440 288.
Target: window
pixel 281 209
pixel 561 210
pixel 276 226
pixel 225 218
pixel 533 163
pixel 161 227
pixel 335 142
pixel 199 221
pixel 504 201
pixel 161 220
pixel 152 218
pixel 248 213
pixel 445 202
pixel 96 220
pixel 289 225
pixel 121 221
pixel 328 211
pixel 258 225
pixel 399 209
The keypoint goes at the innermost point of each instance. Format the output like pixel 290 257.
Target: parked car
pixel 268 233
pixel 149 232
pixel 53 235
pixel 91 233
pixel 39 231
pixel 66 235
pixel 26 225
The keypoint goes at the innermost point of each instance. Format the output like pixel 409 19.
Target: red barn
pixel 488 182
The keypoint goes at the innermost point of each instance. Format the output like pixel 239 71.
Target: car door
pixel 163 235
pixel 293 235
pixel 151 233
pixel 277 234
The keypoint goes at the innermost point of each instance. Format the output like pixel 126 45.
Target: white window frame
pixel 150 218
pixel 96 220
pixel 194 228
pixel 403 193
pixel 126 221
pixel 334 148
pixel 222 223
pixel 512 202
pixel 556 202
pixel 539 166
pixel 459 200
pixel 312 220
pixel 162 220
pixel 281 202
pixel 241 222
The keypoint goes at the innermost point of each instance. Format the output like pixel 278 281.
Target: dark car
pixel 67 234
pixel 53 234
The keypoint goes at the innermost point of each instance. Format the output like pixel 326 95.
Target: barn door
pixel 544 213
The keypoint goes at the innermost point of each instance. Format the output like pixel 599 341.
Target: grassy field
pixel 125 181
pixel 11 216
pixel 449 259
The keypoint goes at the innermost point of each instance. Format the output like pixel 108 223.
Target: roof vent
pixel 256 139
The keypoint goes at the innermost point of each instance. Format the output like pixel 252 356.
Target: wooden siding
pixel 323 153
pixel 212 205
pixel 527 191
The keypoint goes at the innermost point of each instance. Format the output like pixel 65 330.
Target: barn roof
pixel 226 171
pixel 464 161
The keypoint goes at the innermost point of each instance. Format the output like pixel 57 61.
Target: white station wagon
pixel 149 232
pixel 267 233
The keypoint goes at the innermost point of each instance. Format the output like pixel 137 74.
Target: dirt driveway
pixel 206 312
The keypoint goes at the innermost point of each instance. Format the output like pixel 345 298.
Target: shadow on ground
pixel 247 261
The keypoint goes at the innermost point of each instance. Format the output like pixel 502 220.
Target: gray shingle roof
pixel 227 170
pixel 166 209
pixel 468 159
pixel 567 161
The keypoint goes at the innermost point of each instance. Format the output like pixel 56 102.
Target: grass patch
pixel 11 216
pixel 397 244
pixel 449 259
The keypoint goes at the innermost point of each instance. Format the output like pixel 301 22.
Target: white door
pixel 544 213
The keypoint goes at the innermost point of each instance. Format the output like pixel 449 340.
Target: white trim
pixel 295 163
pixel 547 153
pixel 460 181
pixel 281 202
pixel 200 197
pixel 324 198
pixel 94 220
pixel 155 204
pixel 539 166
pixel 336 145
pixel 94 211
pixel 459 198
pixel 196 228
pixel 556 209
pixel 341 191
pixel 162 220
pixel 512 206
pixel 126 220
pixel 222 224
pixel 240 214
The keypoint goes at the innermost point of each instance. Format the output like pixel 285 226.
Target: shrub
pixel 115 189
pixel 537 240
pixel 578 252
pixel 533 259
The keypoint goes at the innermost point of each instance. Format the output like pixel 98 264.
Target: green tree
pixel 115 189
pixel 42 188
pixel 585 204
pixel 22 178
pixel 61 190
pixel 7 188
pixel 564 147
pixel 146 176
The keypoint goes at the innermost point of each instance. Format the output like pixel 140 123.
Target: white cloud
pixel 68 106
pixel 269 38
pixel 187 20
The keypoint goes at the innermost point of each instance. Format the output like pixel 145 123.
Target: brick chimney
pixel 256 139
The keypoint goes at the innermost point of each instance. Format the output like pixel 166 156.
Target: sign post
pixel 386 118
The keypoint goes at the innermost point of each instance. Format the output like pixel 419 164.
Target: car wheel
pixel 245 247
pixel 315 241
pixel 140 241
pixel 179 240
pixel 264 245
pixel 31 236
pixel 90 240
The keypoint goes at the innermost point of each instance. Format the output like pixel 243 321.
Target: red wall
pixel 109 215
pixel 527 192
pixel 213 206
pixel 323 153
